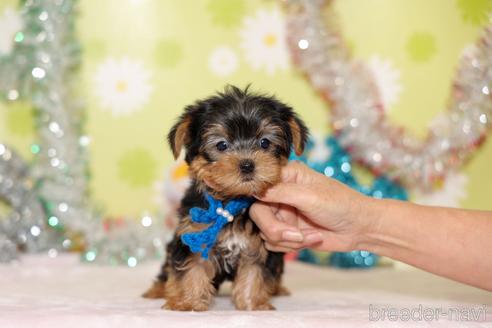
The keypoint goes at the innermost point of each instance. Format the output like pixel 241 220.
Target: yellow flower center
pixel 439 184
pixel 270 40
pixel 121 86
pixel 180 172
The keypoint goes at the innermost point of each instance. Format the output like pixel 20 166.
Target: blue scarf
pixel 217 216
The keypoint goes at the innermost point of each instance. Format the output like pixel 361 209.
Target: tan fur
pixel 227 180
pixel 213 134
pixel 256 250
pixel 181 137
pixel 194 290
pixel 186 225
pixel 271 131
pixel 250 291
pixel 281 290
pixel 296 137
pixel 190 287
pixel 155 291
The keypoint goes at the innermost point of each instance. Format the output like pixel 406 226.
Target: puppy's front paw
pixel 281 291
pixel 185 306
pixel 263 307
pixel 254 307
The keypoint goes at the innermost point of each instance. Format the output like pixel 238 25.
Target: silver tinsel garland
pixel 128 242
pixel 50 207
pixel 358 115
pixel 41 70
pixel 24 227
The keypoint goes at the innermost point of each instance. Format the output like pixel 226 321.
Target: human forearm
pixel 432 238
pixel 309 210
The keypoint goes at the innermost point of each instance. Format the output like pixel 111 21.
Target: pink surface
pixel 61 292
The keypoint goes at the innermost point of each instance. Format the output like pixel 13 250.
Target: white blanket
pixel 61 292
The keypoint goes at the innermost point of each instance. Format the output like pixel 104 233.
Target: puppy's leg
pixel 190 288
pixel 275 265
pixel 252 289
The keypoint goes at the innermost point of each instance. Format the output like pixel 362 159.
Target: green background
pixel 174 39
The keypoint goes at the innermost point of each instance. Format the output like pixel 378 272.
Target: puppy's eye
pixel 221 146
pixel 264 143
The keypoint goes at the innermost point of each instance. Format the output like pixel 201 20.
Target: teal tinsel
pixel 354 259
pixel 308 256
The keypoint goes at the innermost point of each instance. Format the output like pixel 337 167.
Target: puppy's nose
pixel 246 166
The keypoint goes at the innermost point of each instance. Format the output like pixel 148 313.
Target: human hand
pixel 308 209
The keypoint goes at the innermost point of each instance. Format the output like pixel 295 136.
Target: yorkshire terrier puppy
pixel 236 143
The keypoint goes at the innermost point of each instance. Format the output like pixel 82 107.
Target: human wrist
pixel 370 219
pixel 387 226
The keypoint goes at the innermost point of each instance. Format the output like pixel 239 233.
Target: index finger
pixel 296 195
pixel 297 172
pixel 275 230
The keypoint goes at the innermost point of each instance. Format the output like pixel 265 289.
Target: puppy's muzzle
pixel 246 166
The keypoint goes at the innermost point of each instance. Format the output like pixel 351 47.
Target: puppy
pixel 236 143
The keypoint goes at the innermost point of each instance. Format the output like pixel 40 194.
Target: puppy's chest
pixel 231 246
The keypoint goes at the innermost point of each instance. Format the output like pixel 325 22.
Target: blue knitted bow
pixel 217 216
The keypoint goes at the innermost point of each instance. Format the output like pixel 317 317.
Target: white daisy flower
pixel 10 24
pixel 223 61
pixel 387 79
pixel 122 86
pixel 450 194
pixel 263 41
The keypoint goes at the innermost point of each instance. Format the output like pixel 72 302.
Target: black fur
pixel 241 114
pixel 178 252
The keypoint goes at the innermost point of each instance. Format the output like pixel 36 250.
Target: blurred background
pixel 142 61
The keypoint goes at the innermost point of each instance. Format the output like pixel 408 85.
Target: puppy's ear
pixel 299 133
pixel 179 134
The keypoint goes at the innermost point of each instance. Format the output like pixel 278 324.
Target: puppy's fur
pixel 236 143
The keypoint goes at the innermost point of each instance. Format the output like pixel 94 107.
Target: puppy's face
pixel 236 142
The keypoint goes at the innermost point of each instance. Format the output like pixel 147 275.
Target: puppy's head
pixel 236 142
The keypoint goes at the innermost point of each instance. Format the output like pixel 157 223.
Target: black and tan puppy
pixel 236 143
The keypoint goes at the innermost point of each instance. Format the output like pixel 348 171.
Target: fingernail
pixel 292 236
pixel 313 238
